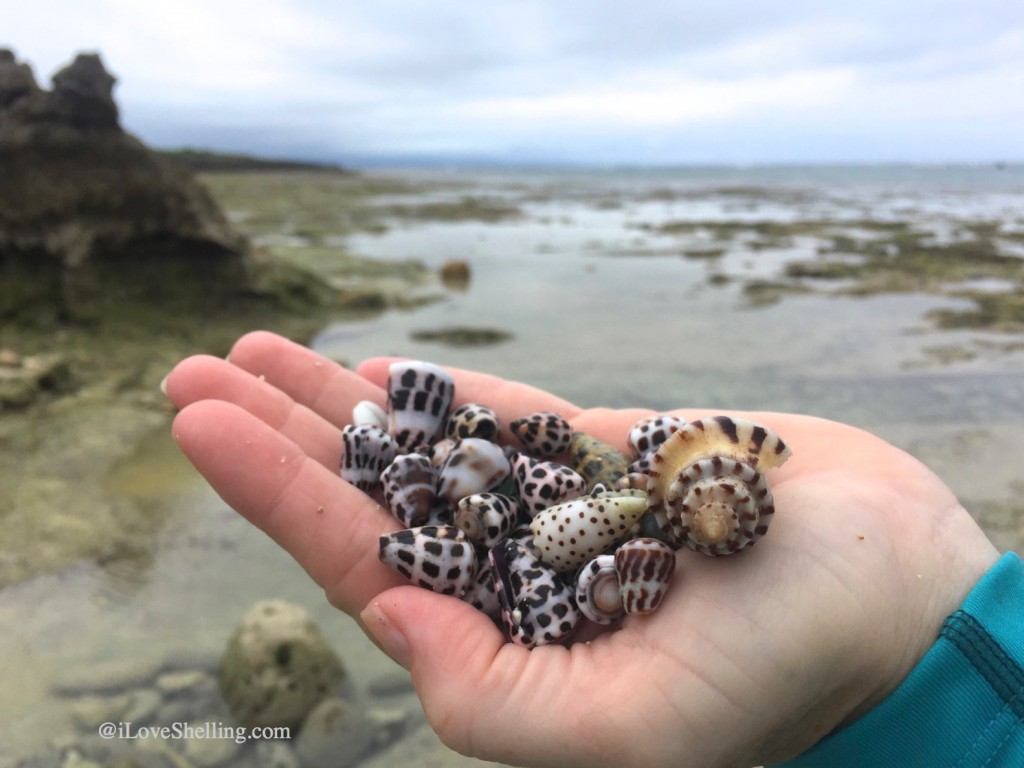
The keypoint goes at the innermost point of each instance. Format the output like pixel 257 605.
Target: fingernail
pixel 163 384
pixel 387 635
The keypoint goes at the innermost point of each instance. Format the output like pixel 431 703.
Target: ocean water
pixel 585 276
pixel 646 287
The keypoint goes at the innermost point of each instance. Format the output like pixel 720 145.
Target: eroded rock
pixel 89 217
pixel 277 666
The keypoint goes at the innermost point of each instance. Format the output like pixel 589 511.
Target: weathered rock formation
pixel 91 219
pixel 277 666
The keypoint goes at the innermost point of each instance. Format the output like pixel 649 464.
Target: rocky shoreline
pixel 172 713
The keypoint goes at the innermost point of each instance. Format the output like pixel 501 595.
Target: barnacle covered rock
pixel 707 477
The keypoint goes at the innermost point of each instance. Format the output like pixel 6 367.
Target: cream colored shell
pixel 707 480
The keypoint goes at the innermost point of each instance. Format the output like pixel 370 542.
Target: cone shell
pixel 410 484
pixel 597 590
pixel 644 569
pixel 707 479
pixel 437 557
pixel 366 451
pixel 568 534
pixel 368 412
pixel 541 484
pixel 536 605
pixel 472 420
pixel 486 518
pixel 481 593
pixel 544 434
pixel 650 432
pixel 419 396
pixel 440 451
pixel 473 466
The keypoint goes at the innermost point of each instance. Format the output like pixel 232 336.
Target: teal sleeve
pixel 962 706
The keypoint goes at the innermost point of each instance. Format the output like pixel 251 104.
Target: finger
pixel 309 378
pixel 327 525
pixel 509 399
pixel 209 378
pixel 489 698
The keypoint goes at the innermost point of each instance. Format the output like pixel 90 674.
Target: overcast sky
pixel 646 81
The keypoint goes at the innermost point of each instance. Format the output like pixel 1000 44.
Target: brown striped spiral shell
pixel 707 481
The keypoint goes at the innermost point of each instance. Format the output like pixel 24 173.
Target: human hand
pixel 750 658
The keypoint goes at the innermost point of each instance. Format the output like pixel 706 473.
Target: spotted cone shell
pixel 366 451
pixel 419 396
pixel 437 557
pixel 537 607
pixel 568 534
pixel 543 434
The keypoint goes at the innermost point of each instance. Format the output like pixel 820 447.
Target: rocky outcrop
pixel 89 217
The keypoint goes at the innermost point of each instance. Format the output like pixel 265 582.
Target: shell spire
pixel 707 480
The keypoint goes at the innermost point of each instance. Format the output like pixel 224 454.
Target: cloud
pixel 410 76
pixel 661 99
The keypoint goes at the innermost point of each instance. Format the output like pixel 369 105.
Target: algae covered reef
pixel 61 495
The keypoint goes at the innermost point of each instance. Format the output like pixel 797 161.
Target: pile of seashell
pixel 536 544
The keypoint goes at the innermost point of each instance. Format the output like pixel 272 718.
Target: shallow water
pixel 603 310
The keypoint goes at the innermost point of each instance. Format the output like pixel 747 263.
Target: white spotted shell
pixel 366 451
pixel 486 518
pixel 542 484
pixel 419 396
pixel 438 557
pixel 543 434
pixel 568 534
pixel 707 478
pixel 649 433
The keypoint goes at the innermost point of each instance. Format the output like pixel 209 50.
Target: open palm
pixel 750 659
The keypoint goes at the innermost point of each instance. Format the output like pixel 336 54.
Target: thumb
pixel 478 691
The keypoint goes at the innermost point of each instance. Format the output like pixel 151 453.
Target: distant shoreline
pixel 201 160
